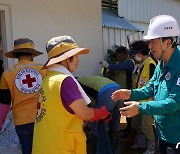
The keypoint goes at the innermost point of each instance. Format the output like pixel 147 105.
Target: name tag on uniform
pixel 178 82
pixel 177 145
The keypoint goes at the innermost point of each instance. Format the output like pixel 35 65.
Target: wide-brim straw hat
pixel 23 45
pixel 61 48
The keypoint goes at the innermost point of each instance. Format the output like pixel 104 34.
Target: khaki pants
pixel 144 123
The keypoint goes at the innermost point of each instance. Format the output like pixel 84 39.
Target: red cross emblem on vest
pixel 29 81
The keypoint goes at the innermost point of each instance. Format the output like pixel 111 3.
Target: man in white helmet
pixel 164 86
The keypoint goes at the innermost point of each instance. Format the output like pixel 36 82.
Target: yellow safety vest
pixel 142 79
pixel 56 130
pixel 120 77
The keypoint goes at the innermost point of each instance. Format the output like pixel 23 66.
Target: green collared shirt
pixel 164 86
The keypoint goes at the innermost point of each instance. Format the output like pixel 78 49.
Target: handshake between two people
pixel 132 107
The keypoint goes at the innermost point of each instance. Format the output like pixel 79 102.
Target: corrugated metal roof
pixel 110 19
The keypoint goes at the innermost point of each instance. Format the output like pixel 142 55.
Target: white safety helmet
pixel 162 26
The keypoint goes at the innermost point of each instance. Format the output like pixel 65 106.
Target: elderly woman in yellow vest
pixel 145 71
pixel 63 102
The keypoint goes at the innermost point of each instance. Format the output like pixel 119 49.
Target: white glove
pixel 105 64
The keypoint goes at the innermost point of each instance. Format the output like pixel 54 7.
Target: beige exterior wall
pixel 42 20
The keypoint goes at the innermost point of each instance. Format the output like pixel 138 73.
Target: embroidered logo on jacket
pixel 168 76
pixel 28 80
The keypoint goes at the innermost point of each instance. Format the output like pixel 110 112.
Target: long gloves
pixel 101 114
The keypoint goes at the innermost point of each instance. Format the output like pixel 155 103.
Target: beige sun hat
pixel 23 45
pixel 62 47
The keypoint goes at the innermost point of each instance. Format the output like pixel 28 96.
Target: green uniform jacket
pixel 164 86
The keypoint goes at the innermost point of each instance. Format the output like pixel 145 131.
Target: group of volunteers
pixel 49 105
pixel 141 73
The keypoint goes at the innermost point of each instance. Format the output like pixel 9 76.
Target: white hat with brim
pixel 61 48
pixel 66 55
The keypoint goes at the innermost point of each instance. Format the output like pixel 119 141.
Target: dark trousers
pixel 104 99
pixel 25 134
pixel 168 148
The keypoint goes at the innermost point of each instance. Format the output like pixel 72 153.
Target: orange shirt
pixel 24 81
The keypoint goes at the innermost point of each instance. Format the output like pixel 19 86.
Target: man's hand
pixel 130 110
pixel 122 94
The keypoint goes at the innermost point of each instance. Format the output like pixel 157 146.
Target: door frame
pixel 6 28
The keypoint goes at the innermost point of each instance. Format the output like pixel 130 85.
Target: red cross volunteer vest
pixel 24 81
